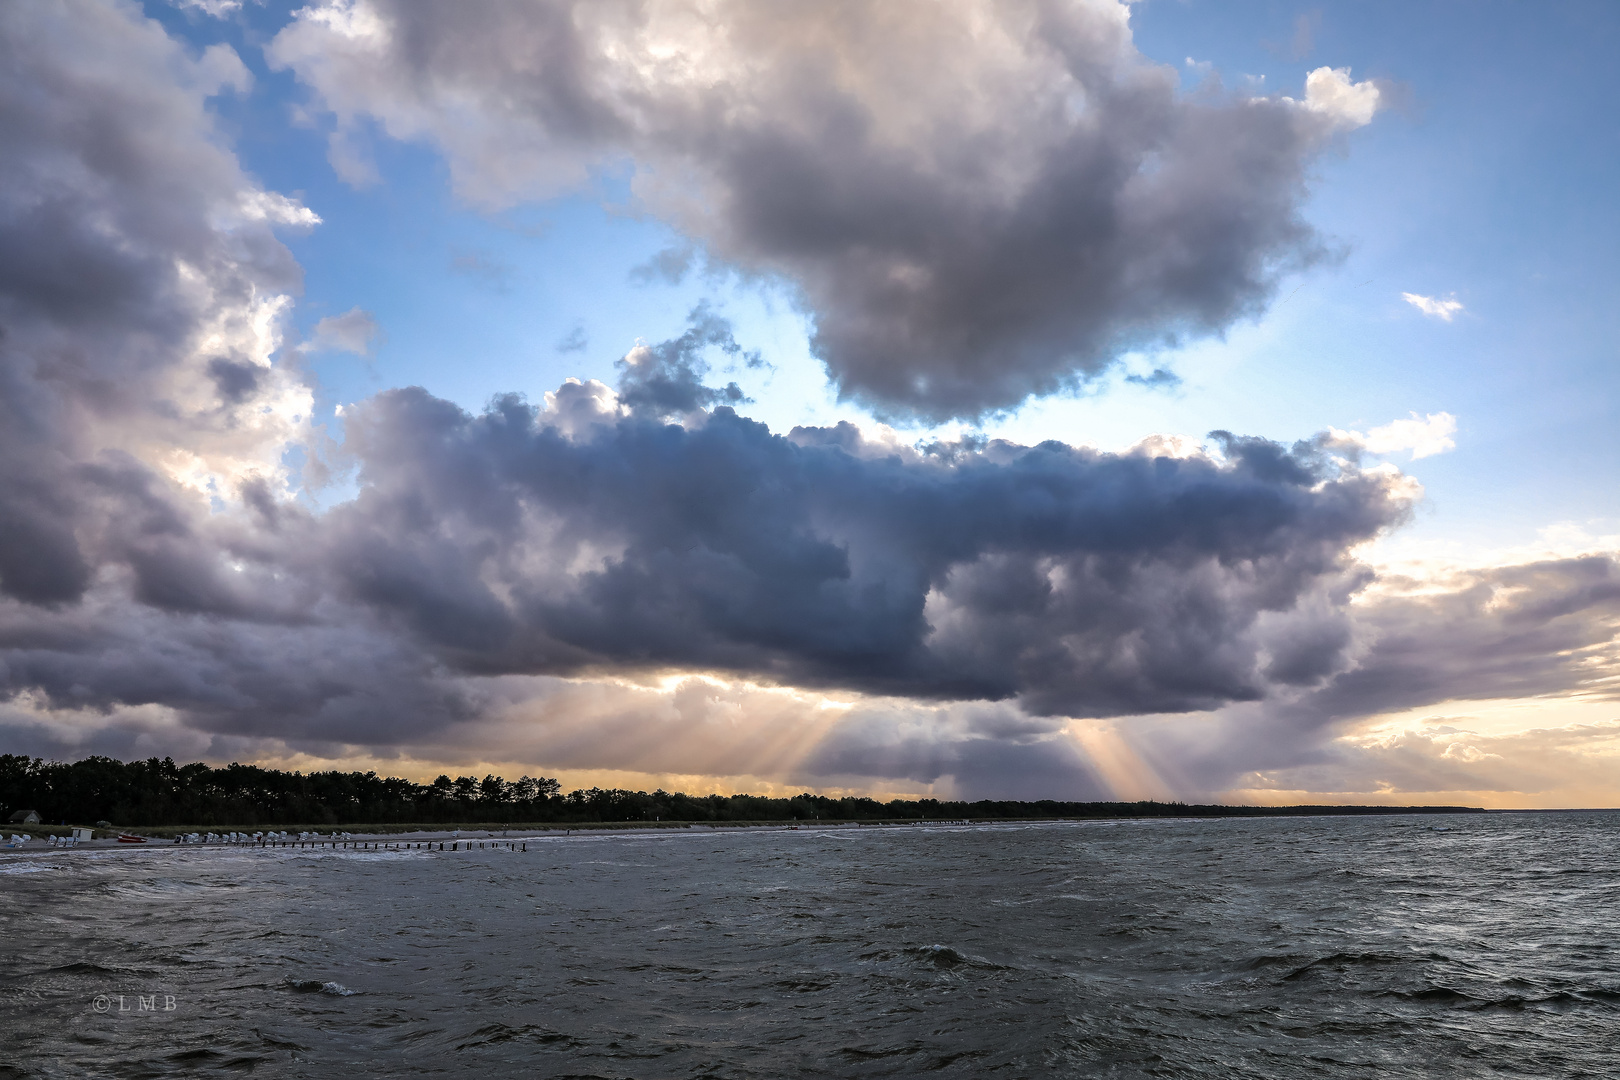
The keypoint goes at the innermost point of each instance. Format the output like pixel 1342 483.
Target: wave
pixel 491 1034
pixel 315 986
pixel 1341 961
pixel 946 958
pixel 1556 1001
pixel 86 968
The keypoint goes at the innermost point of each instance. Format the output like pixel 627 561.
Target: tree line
pixel 154 792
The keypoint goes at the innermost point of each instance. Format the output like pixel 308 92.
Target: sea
pixel 1473 946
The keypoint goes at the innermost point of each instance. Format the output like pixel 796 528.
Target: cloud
pixel 1533 636
pixel 1347 104
pixel 978 201
pixel 670 266
pixel 158 587
pixel 274 208
pixel 1568 765
pixel 216 8
pixel 1307 25
pixel 1424 436
pixel 1510 631
pixel 1444 310
pixel 1157 379
pixel 573 341
pixel 667 379
pixel 592 535
pixel 483 268
pixel 1546 631
pixel 141 292
pixel 354 331
pixel 639 580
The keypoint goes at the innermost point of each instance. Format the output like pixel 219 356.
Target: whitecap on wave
pixel 315 986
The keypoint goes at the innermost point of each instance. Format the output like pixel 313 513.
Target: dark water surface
pixel 1339 947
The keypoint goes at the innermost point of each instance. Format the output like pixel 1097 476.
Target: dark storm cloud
pixel 320 682
pixel 1084 583
pixel 592 536
pixel 979 202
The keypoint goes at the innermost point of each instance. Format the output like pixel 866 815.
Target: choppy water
pixel 1344 947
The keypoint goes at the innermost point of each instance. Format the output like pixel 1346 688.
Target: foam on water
pixel 314 986
pixel 1347 947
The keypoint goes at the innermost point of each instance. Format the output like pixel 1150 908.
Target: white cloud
pixel 354 331
pixel 1347 104
pixel 1424 436
pixel 276 209
pixel 1439 309
pixel 219 69
pixel 217 8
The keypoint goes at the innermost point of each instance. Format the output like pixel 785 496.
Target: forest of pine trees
pixel 153 792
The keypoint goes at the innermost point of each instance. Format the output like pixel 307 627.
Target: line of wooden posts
pixel 411 845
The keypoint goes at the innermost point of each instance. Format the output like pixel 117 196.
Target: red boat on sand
pixel 126 838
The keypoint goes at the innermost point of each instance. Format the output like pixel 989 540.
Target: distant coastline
pixel 410 836
pixel 160 798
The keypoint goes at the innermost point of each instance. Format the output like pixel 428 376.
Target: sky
pixel 1035 399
